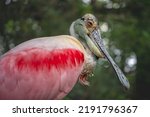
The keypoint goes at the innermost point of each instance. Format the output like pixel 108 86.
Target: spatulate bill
pixel 99 41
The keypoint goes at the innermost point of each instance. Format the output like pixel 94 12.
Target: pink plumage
pixel 43 68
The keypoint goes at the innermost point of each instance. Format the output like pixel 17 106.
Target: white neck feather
pixel 72 31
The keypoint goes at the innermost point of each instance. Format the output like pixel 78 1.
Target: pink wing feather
pixel 33 72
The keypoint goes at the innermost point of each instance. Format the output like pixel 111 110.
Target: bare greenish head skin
pixel 86 29
pixel 81 29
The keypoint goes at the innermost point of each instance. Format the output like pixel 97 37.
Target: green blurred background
pixel 125 28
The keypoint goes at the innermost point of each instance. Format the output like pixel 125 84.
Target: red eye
pixel 90 24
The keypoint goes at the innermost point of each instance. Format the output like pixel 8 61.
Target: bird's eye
pixel 89 24
pixel 82 18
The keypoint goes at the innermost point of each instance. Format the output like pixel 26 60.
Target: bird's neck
pixel 90 58
pixel 72 31
pixel 82 41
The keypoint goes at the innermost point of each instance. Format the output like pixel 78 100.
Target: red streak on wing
pixel 38 73
pixel 37 59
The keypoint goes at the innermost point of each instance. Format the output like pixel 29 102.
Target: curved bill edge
pixel 96 36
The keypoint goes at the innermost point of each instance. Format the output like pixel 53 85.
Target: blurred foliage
pixel 126 31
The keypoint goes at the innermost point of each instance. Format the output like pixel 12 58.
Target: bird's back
pixel 42 68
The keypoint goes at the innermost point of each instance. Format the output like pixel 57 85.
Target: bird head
pixel 82 29
pixel 86 29
pixel 90 21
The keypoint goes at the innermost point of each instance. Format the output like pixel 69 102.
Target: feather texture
pixel 41 70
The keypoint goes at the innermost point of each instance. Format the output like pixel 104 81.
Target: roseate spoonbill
pixel 49 67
